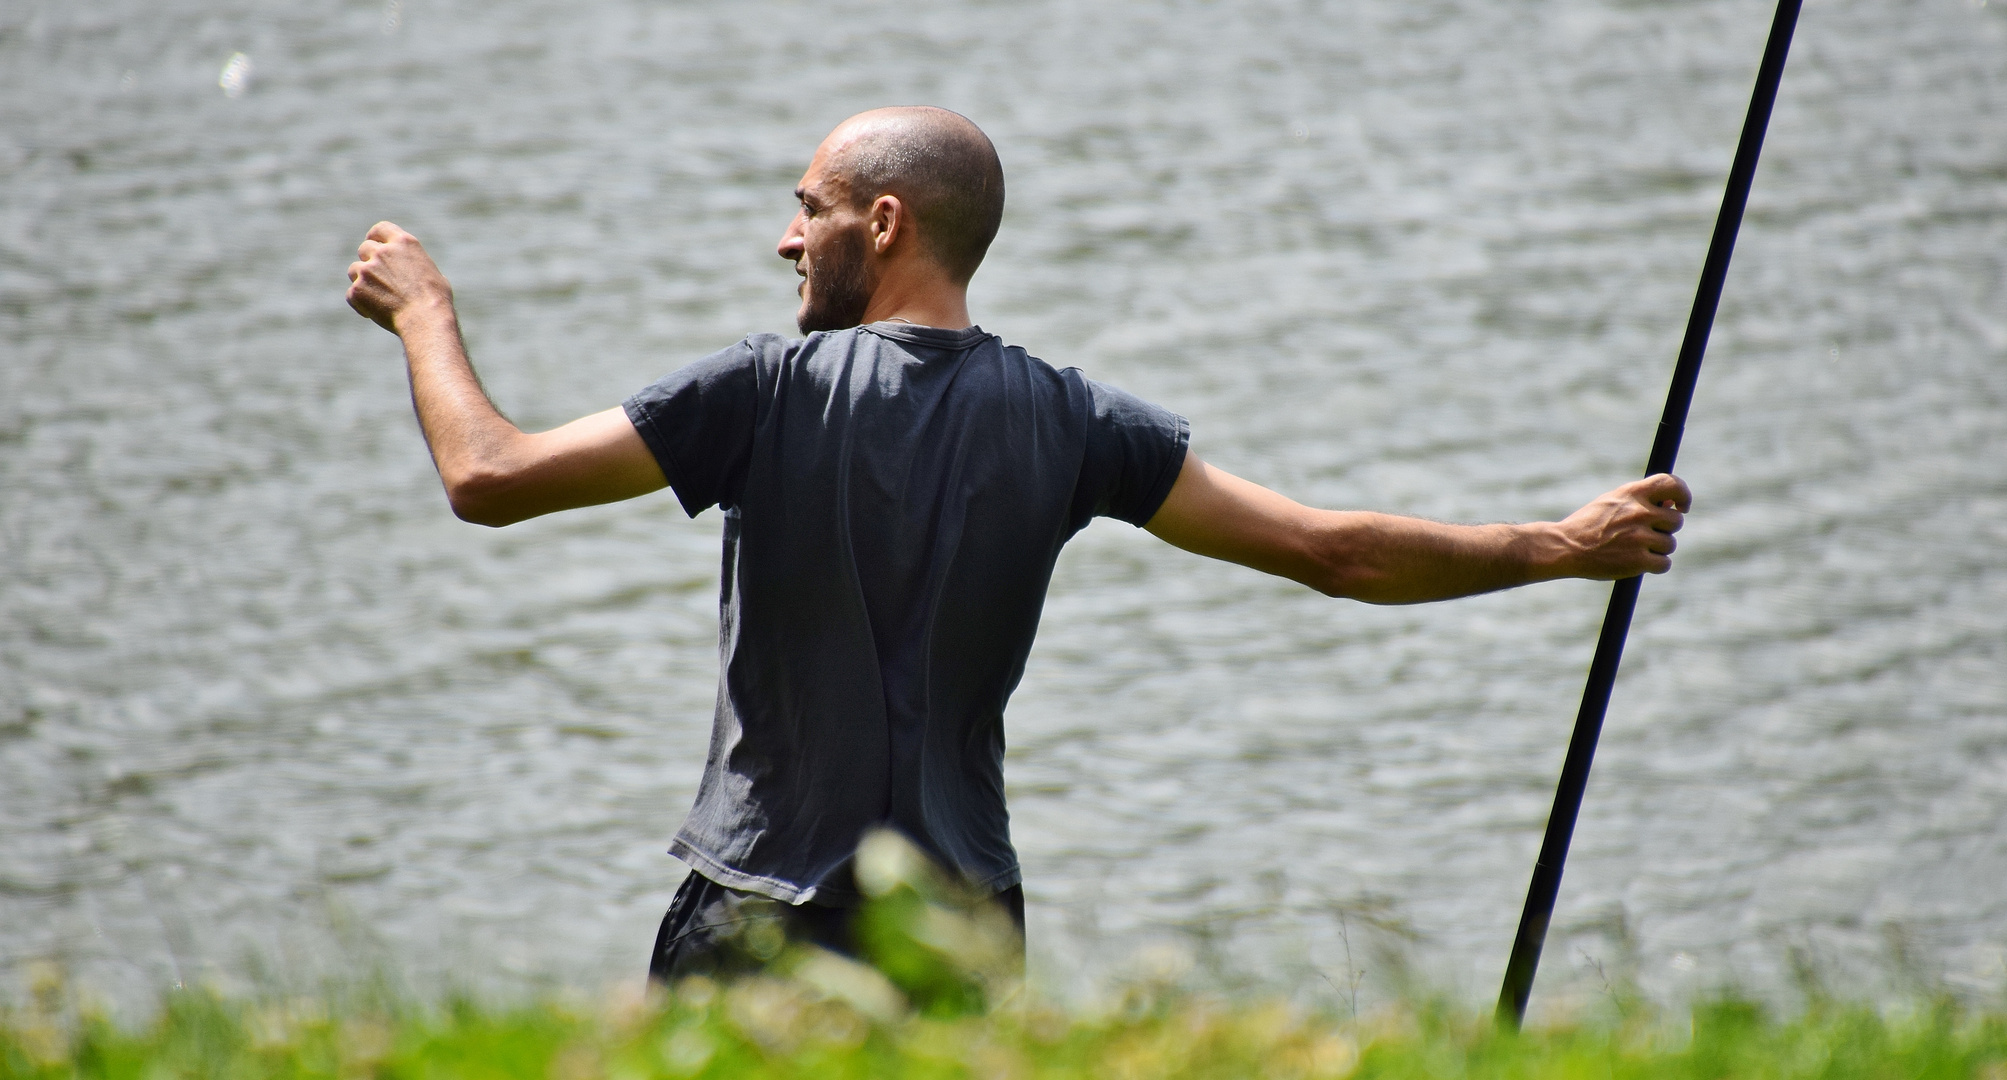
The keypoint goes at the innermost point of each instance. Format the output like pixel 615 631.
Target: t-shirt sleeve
pixel 1134 452
pixel 699 422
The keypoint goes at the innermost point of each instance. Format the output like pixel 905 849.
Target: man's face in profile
pixel 828 244
pixel 836 284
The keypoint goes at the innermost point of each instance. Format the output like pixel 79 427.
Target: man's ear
pixel 887 223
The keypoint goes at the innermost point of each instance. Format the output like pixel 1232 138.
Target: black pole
pixel 1546 882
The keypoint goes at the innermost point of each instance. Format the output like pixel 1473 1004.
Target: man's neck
pixel 922 303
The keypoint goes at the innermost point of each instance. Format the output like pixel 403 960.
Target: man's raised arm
pixel 1384 559
pixel 494 472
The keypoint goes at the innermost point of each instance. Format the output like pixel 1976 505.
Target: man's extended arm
pixel 1384 559
pixel 494 472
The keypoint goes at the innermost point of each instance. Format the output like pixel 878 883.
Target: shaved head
pixel 939 165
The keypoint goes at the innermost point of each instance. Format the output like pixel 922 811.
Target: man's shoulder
pixel 770 347
pixel 813 354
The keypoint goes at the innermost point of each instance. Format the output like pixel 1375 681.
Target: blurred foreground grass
pixel 771 1027
pixel 942 997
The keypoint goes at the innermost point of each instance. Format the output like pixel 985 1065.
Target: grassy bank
pixel 942 998
pixel 790 1028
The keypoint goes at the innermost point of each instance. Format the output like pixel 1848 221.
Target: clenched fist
pixel 393 278
pixel 1628 531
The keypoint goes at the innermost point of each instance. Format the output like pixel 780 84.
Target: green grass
pixel 775 1027
pixel 942 999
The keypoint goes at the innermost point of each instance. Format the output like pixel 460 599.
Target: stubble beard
pixel 838 286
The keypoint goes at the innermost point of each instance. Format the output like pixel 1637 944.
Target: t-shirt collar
pixel 931 336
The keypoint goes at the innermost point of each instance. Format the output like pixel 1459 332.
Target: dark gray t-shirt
pixel 894 500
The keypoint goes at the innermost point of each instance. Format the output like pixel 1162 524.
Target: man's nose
pixel 791 243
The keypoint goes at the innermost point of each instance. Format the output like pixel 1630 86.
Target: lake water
pixel 263 701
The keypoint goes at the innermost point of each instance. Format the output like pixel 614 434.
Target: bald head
pixel 938 164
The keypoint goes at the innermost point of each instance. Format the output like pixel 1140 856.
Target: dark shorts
pixel 717 931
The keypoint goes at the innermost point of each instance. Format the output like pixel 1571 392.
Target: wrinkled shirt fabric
pixel 894 500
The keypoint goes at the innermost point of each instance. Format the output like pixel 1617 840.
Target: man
pixel 896 488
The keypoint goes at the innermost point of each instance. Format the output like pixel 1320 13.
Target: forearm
pixel 1386 559
pixel 473 445
pixel 494 473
